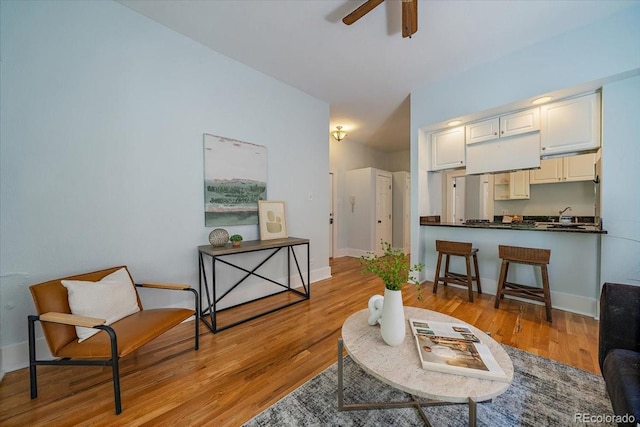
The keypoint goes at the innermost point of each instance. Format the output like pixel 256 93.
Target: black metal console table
pixel 221 254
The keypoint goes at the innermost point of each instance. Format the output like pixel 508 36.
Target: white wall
pixel 349 155
pixel 103 113
pixel 399 161
pixel 360 218
pixel 621 175
pixel 601 50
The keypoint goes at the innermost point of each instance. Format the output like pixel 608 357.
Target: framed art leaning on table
pixel 272 219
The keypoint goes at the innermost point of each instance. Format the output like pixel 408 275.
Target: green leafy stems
pixel 392 267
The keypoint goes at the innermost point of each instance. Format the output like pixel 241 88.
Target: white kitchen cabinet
pixel 550 172
pixel 507 125
pixel 570 126
pixel 520 122
pixel 508 142
pixel 579 168
pixel 511 186
pixel 564 169
pixel 448 149
pixel 519 185
pixel 483 131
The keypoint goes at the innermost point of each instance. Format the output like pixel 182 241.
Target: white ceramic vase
pixel 392 324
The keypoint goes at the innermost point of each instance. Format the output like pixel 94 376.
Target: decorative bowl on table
pixel 218 237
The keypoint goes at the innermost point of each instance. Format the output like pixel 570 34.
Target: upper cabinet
pixel 511 186
pixel 579 168
pixel 518 140
pixel 521 122
pixel 550 172
pixel 519 185
pixel 448 149
pixel 570 126
pixel 564 169
pixel 504 143
pixel 483 131
pixel 508 125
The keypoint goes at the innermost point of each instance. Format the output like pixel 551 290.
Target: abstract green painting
pixel 235 178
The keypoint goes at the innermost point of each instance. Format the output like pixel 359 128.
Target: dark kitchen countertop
pixel 553 227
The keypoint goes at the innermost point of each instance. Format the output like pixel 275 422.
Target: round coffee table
pixel 366 347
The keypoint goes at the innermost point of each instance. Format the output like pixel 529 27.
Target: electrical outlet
pixel 505 212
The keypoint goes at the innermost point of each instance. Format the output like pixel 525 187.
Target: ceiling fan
pixel 409 15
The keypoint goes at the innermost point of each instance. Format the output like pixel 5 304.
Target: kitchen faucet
pixel 568 208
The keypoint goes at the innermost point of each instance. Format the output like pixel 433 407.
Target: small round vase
pixel 392 323
pixel 218 237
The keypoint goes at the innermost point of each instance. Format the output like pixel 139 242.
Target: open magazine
pixel 453 349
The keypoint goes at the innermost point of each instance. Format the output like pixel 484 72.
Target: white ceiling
pixel 366 71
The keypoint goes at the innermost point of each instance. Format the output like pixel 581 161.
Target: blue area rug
pixel 543 393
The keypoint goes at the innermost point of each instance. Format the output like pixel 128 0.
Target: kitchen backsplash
pixel 549 199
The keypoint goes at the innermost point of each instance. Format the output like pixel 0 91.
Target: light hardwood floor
pixel 241 371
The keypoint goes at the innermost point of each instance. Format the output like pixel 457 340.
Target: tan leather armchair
pixel 113 341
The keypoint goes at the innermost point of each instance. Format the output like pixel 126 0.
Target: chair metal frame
pixel 113 361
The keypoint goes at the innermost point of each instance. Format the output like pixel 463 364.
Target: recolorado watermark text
pixel 603 418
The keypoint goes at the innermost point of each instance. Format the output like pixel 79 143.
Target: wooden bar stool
pixel 530 256
pixel 462 249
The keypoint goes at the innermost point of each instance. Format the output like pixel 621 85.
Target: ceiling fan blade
pixel 409 17
pixel 365 8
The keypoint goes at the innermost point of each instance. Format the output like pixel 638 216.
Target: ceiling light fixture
pixel 541 100
pixel 339 134
pixel 454 123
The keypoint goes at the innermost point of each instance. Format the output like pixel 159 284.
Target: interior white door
pixel 407 216
pixel 331 215
pixel 383 211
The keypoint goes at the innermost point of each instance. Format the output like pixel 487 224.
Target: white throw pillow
pixel 112 298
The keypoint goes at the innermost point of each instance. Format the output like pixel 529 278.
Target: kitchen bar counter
pixel 574 276
pixel 538 226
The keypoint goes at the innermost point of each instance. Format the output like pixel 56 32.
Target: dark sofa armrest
pixel 619 319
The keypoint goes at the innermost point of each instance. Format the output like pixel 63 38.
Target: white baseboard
pixel 16 356
pixel 571 303
pixel 357 253
pixel 339 253
pixel 575 304
pixel 320 274
pixel 314 276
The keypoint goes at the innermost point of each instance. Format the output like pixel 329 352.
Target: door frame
pixel 332 215
pixel 388 226
pixel 447 192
